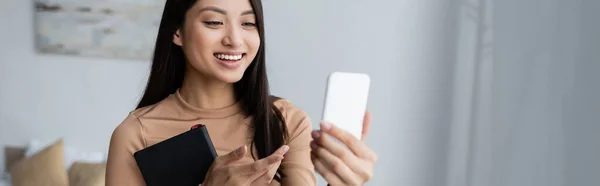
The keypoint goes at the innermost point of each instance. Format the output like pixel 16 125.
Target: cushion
pixel 44 168
pixel 72 154
pixel 87 174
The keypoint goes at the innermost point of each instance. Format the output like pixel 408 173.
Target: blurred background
pixel 464 92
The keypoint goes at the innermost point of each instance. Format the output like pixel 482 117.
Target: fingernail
pixel 325 125
pixel 316 134
pixel 285 149
pixel 313 145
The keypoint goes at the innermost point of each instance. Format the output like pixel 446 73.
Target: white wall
pixel 45 97
pixel 403 44
pixel 543 109
pixel 582 118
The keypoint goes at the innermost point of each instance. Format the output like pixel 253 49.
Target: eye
pixel 213 23
pixel 249 24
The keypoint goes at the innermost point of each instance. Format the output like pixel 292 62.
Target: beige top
pixel 228 128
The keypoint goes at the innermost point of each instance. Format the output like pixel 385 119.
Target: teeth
pixel 229 57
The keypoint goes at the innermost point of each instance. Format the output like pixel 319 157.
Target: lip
pixel 230 53
pixel 230 64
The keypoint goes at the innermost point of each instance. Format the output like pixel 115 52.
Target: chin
pixel 230 77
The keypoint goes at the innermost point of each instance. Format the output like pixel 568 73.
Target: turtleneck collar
pixel 207 113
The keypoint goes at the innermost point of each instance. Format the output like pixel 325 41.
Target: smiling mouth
pixel 229 57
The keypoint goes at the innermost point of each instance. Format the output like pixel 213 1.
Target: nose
pixel 233 38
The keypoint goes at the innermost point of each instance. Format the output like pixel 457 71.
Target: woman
pixel 209 68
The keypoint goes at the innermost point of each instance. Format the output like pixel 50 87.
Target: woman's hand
pixel 223 171
pixel 338 164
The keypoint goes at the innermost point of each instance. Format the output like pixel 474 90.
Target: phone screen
pixel 346 101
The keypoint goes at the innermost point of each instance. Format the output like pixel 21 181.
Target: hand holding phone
pixel 346 120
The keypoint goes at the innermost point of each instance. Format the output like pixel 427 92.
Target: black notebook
pixel 182 160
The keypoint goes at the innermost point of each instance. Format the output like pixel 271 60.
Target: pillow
pixel 44 168
pixel 71 154
pixel 87 174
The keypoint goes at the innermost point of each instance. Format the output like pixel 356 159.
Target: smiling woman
pixel 209 68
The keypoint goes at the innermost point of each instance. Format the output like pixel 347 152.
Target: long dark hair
pixel 252 91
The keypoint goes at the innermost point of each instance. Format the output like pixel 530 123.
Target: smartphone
pixel 345 102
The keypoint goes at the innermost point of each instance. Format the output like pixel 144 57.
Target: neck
pixel 206 93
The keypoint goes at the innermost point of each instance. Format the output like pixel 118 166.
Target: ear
pixel 177 38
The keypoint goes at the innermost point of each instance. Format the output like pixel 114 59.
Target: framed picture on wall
pixel 124 29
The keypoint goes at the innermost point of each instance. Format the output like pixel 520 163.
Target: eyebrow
pixel 221 11
pixel 248 12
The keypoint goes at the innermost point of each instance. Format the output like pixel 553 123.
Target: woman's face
pixel 219 38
